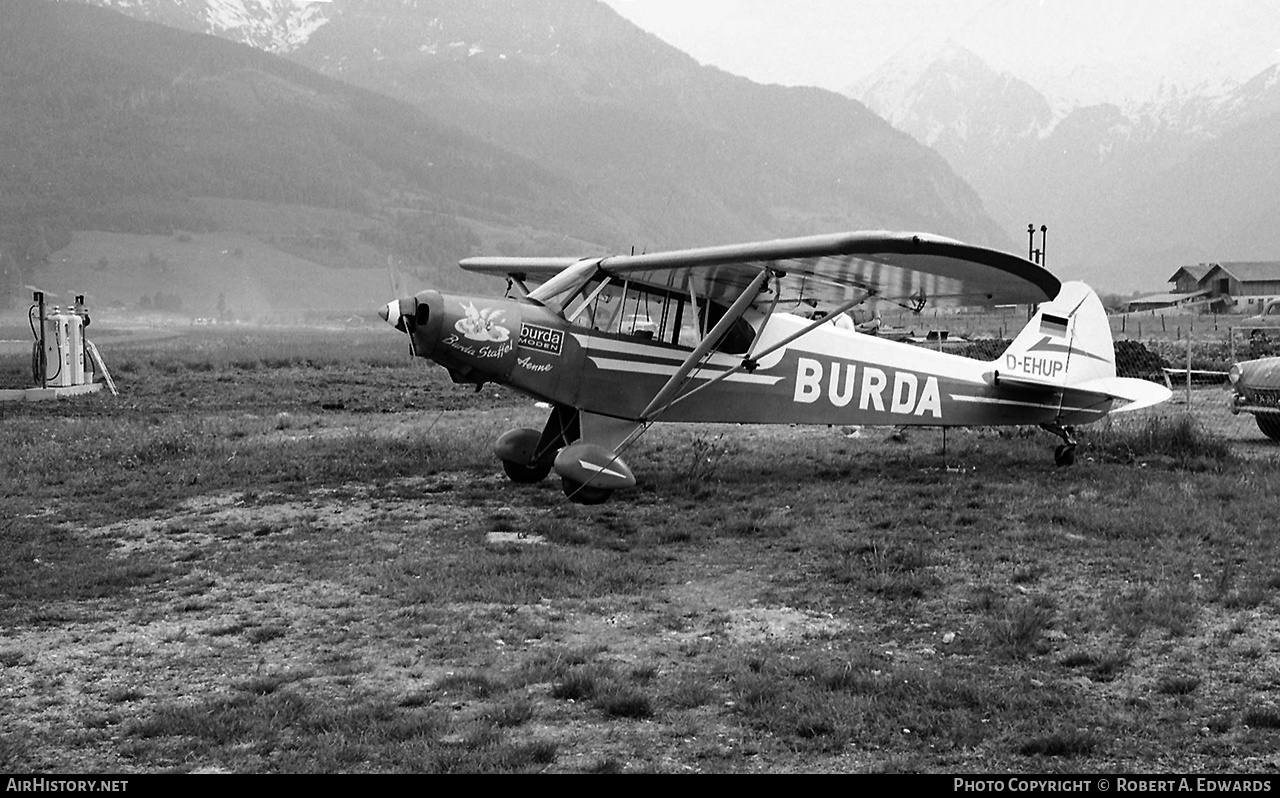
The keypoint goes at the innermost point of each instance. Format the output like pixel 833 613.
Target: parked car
pixel 1263 326
pixel 1256 390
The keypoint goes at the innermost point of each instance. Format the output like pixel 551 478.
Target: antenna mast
pixel 1034 255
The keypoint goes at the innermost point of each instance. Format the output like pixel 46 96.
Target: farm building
pixel 1243 287
pixel 1186 279
pixel 1238 287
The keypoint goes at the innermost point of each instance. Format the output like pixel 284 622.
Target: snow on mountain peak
pixel 275 25
pixel 278 26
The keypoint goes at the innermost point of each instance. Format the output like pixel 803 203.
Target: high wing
pixel 535 270
pixel 824 272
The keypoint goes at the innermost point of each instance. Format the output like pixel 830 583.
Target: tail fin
pixel 1067 343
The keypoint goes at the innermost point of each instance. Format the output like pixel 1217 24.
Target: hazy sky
pixel 1098 49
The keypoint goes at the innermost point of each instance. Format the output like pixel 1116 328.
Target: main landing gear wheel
pixel 525 474
pixel 526 457
pixel 584 494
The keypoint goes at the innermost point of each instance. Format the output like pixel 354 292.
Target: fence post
pixel 1188 373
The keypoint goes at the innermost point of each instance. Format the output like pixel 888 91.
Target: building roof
pixel 1168 299
pixel 1251 271
pixel 1196 272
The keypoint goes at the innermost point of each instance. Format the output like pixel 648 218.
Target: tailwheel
pixel 1065 454
pixel 525 474
pixel 584 494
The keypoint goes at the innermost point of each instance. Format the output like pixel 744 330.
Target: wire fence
pixel 1194 363
pixel 1190 353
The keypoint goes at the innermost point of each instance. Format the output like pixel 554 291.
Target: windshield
pixel 560 290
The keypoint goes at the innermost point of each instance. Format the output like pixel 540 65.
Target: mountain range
pixel 450 127
pixel 441 128
pixel 1129 194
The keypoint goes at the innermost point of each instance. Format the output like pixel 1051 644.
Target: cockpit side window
pixel 588 298
pixel 737 339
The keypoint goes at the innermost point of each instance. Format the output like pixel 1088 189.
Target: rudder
pixel 1067 342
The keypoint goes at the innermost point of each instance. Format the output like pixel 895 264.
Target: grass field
pixel 292 551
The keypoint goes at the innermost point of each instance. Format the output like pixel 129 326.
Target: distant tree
pixel 1111 302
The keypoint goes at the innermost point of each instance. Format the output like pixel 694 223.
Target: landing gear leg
pixel 527 455
pixel 1065 454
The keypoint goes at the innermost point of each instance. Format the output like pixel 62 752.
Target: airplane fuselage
pixel 758 333
pixel 827 376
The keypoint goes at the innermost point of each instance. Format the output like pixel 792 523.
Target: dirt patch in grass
pixel 207 586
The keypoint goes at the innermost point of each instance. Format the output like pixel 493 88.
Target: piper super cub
pixel 759 333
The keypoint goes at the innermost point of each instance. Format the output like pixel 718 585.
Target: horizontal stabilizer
pixel 1022 381
pixel 1136 394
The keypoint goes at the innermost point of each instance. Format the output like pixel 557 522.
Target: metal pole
pixel 1188 373
pixel 44 361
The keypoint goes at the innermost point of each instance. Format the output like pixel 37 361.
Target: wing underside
pixel 909 269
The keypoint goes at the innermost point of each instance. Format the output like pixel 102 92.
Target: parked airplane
pixel 758 333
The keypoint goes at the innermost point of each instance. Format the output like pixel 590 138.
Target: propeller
pixel 400 313
pixel 403 315
pixel 393 274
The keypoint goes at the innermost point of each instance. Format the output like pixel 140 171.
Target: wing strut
pixel 663 401
pixel 777 294
pixel 749 363
pixel 514 281
pixel 808 328
pixel 662 398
